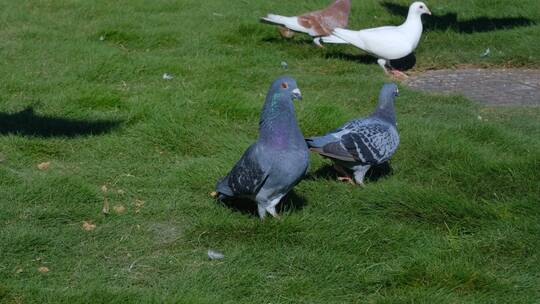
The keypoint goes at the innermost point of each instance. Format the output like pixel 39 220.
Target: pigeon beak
pixel 428 12
pixel 297 94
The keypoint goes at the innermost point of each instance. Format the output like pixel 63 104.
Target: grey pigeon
pixel 279 158
pixel 359 144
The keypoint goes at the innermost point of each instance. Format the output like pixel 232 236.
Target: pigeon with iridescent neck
pixel 279 158
pixel 316 24
pixel 361 143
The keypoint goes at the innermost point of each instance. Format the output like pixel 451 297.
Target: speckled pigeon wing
pixel 249 174
pixel 370 142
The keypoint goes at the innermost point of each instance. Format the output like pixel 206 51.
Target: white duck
pixel 387 42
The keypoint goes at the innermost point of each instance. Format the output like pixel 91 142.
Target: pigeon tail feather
pixel 349 36
pixel 223 188
pixel 277 19
pixel 289 22
pixel 333 39
pixel 319 141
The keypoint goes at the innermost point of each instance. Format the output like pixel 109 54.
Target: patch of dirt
pixel 490 86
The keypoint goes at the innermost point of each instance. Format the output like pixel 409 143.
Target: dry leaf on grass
pixel 138 205
pixel 119 209
pixel 19 270
pixel 106 208
pixel 88 226
pixel 43 269
pixel 44 166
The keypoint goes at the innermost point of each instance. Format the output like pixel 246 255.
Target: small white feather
pixel 215 255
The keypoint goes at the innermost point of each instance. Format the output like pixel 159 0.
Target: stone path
pixel 491 86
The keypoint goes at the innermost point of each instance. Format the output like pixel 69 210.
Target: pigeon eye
pixel 421 6
pixel 284 85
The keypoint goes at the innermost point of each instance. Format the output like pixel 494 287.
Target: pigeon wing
pixel 371 143
pixel 248 175
pixel 363 141
pixel 322 22
pixel 388 42
pixel 314 22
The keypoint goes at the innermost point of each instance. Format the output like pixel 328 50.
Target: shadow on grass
pixel 290 202
pixel 405 63
pixel 281 40
pixel 360 58
pixel 27 123
pixel 374 173
pixel 402 64
pixel 450 21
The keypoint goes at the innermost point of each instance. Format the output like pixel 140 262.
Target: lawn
pixel 86 118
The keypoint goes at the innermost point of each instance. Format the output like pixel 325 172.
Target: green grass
pixel 456 222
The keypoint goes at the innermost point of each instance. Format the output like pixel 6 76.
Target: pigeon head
pixel 279 101
pixel 385 106
pixel 278 125
pixel 286 86
pixel 389 91
pixel 419 8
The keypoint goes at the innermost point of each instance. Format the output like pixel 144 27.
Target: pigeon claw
pixel 214 194
pixel 273 213
pixel 348 179
pixel 318 43
pixel 276 216
pixel 398 74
